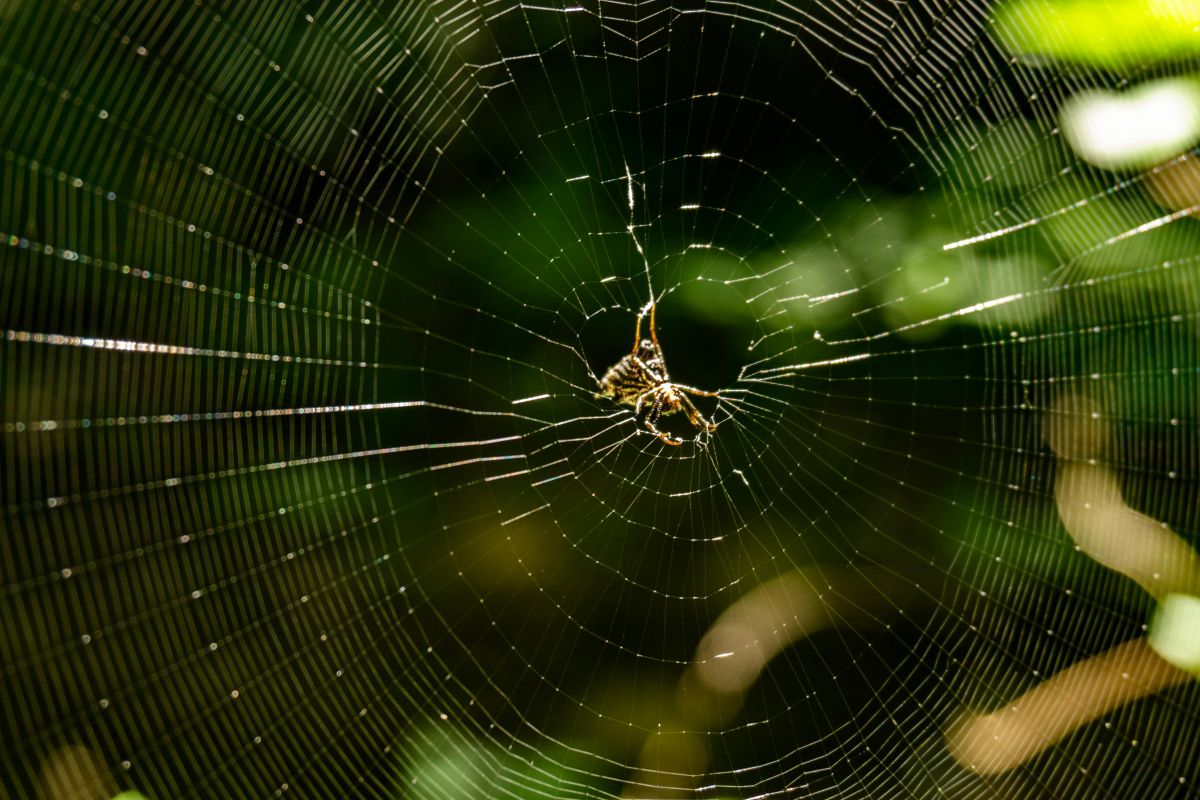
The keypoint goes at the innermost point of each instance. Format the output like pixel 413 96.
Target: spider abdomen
pixel 625 382
pixel 635 374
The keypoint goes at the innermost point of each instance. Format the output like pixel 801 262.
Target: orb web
pixel 308 489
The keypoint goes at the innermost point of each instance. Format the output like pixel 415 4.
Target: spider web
pixel 307 490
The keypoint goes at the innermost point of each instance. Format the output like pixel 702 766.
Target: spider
pixel 640 380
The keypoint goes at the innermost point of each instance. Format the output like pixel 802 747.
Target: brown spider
pixel 640 380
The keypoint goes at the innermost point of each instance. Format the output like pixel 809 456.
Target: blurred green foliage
pixel 1111 34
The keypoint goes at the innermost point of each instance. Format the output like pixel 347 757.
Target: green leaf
pixel 1100 33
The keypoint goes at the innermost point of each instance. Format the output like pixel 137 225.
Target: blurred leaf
pixel 1134 129
pixel 1175 631
pixel 1100 33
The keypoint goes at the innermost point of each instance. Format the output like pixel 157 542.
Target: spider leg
pixel 637 329
pixel 694 390
pixel 693 413
pixel 652 418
